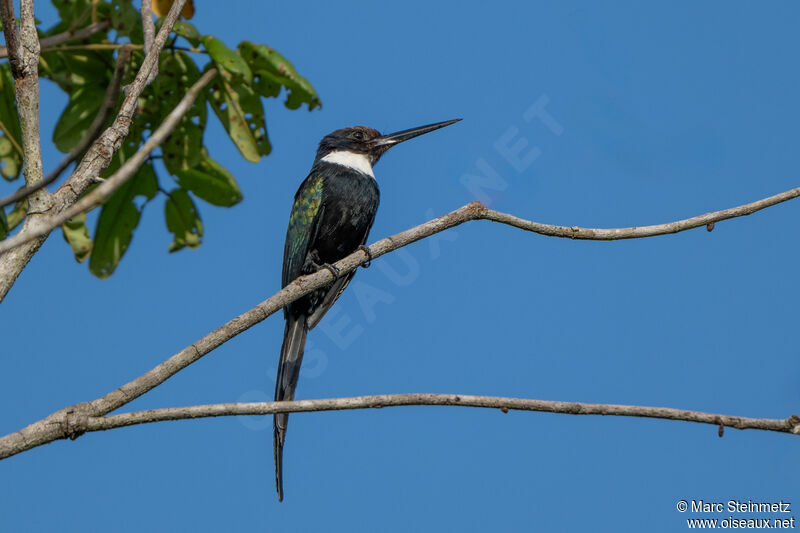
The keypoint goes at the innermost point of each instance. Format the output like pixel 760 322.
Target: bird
pixel 331 216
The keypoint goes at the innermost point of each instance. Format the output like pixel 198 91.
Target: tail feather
pixel 294 341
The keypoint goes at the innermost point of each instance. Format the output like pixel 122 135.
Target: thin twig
pixel 92 46
pixel 109 102
pixel 115 46
pixel 614 234
pixel 70 35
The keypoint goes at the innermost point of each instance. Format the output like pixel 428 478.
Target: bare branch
pixel 69 35
pixel 109 101
pixel 598 234
pixel 10 31
pixel 789 425
pixel 23 48
pixel 74 423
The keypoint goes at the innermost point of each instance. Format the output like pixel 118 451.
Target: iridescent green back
pixel 303 222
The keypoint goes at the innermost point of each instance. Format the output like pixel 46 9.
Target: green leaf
pixel 126 20
pixel 182 148
pixel 53 67
pixel 78 67
pixel 77 236
pixel 183 220
pixel 10 132
pixel 118 219
pixel 239 109
pixel 212 182
pixel 84 103
pixel 10 167
pixel 271 71
pixel 227 59
pixel 187 31
pixel 17 215
pixel 90 66
pixel 72 12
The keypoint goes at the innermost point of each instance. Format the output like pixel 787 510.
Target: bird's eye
pixel 358 135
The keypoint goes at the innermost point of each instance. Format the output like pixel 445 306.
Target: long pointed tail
pixel 294 341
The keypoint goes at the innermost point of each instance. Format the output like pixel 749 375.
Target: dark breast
pixel 350 200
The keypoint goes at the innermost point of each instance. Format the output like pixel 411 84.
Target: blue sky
pixel 655 113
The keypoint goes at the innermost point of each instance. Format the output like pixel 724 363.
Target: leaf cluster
pixel 184 171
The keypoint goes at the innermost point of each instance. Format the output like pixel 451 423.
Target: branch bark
pixel 96 159
pixel 23 50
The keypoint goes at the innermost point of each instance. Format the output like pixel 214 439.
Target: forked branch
pixel 72 421
pixel 48 213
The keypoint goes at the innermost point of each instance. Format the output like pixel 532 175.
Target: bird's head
pixel 361 146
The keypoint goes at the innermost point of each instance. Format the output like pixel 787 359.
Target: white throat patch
pixel 358 162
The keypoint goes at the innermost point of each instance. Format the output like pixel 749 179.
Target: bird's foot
pixel 313 260
pixel 332 269
pixel 368 262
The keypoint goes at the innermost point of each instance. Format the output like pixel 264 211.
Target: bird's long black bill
pixel 400 136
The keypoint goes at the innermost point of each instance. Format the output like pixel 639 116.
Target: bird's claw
pixel 366 250
pixel 332 269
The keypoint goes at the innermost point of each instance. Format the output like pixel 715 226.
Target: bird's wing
pixel 333 294
pixel 303 225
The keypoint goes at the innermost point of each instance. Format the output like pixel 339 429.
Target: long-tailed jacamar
pixel 331 217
